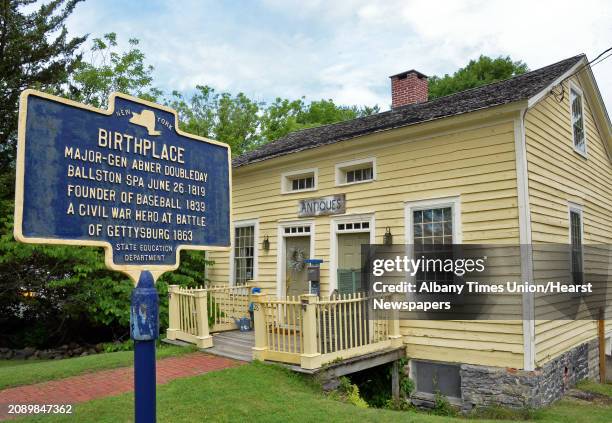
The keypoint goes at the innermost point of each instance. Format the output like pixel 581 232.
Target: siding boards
pixel 477 163
pixel 557 174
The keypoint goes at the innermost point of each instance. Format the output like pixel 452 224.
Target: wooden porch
pixel 305 332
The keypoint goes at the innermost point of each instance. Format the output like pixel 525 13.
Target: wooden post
pixel 601 335
pixel 259 317
pixel 308 358
pixel 394 325
pixel 395 388
pixel 204 340
pixel 173 312
pixel 249 301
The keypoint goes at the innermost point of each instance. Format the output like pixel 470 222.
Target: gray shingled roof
pixel 495 94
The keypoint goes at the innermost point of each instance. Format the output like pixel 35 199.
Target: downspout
pixel 522 182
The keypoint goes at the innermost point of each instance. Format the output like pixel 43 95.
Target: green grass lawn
pixel 25 372
pixel 13 363
pixel 262 393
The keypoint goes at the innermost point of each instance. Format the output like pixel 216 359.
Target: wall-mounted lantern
pixel 388 238
pixel 266 244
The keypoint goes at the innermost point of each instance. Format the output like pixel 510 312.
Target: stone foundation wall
pixel 484 386
pixel 594 359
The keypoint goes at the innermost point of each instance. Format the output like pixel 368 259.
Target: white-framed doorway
pixel 347 224
pixel 291 229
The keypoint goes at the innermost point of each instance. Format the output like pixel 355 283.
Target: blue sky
pixel 343 50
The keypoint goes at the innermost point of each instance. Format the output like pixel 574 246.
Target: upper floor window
pixel 577 108
pixel 359 175
pixel 302 180
pixel 298 184
pixel 355 171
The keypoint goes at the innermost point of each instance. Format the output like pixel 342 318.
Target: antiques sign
pixel 125 178
pixel 331 204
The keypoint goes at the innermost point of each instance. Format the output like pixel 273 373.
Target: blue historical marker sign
pixel 124 178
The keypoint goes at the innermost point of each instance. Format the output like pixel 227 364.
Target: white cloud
pixel 345 50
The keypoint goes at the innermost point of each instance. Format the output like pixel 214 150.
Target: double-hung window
pixel 244 254
pixel 433 238
pixel 433 227
pixel 577 116
pixel 575 217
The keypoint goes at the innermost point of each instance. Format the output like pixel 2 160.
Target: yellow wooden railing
pixel 227 303
pixel 310 332
pixel 304 330
pixel 189 310
pixel 280 322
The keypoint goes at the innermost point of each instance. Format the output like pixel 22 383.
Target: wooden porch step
pixel 235 336
pixel 233 344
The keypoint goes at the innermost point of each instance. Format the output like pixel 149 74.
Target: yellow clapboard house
pixel 521 161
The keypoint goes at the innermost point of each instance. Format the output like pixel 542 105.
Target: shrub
pixel 350 393
pixel 442 407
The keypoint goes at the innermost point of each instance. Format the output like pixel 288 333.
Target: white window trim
pixel 453 202
pixel 333 245
pixel 340 167
pixel 242 224
pixel 281 253
pixel 578 90
pixel 576 208
pixel 410 206
pixel 285 177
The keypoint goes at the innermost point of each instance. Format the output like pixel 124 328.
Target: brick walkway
pixel 106 383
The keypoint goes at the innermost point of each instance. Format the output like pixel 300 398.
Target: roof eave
pixel 502 109
pixel 583 71
pixel 533 100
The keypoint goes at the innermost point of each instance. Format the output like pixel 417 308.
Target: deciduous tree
pixel 35 52
pixel 475 74
pixel 106 69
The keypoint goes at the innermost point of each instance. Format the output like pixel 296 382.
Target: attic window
pixel 298 181
pixel 577 116
pixel 356 171
pixel 299 184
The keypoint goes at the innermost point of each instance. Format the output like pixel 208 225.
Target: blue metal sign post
pixel 128 180
pixel 144 325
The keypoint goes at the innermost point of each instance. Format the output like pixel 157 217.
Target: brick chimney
pixel 408 87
